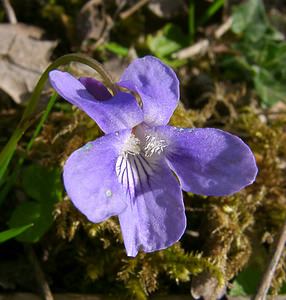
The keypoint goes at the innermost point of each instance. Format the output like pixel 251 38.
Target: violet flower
pixel 129 171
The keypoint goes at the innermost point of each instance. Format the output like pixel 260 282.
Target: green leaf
pixel 236 67
pixel 246 282
pixel 249 13
pixel 42 184
pixel 237 290
pixel 32 212
pixel 260 53
pixel 13 232
pixel 116 48
pixel 167 41
pixel 250 19
pixel 174 63
pixel 273 56
pixel 269 88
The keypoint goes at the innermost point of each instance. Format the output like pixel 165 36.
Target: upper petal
pixel 209 161
pixel 117 113
pixel 157 85
pixel 90 178
pixel 155 217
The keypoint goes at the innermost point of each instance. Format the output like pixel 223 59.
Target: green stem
pixel 9 149
pixel 192 24
pixel 63 60
pixel 42 120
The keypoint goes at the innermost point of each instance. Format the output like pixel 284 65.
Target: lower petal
pixel 90 178
pixel 155 217
pixel 209 161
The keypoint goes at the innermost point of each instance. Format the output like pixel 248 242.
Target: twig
pixel 223 28
pixel 9 12
pixel 269 273
pixel 199 48
pixel 126 14
pixel 202 46
pixel 40 277
pixel 111 20
pixel 108 26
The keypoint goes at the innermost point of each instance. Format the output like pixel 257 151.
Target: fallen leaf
pixel 91 21
pixel 23 58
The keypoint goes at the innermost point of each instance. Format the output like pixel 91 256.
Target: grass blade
pixel 192 21
pixel 213 9
pixel 43 119
pixel 13 232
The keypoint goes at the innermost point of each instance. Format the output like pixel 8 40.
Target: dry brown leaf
pixel 91 20
pixel 23 58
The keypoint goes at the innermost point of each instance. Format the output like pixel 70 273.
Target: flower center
pixel 145 144
pixel 132 146
pixel 138 159
pixel 154 145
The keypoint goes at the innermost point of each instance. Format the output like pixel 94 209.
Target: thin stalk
pixel 11 16
pixel 9 149
pixel 63 60
pixel 42 120
pixel 192 23
pixel 270 271
pixel 213 9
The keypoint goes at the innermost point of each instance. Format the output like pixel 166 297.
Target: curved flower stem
pixel 25 122
pixel 63 60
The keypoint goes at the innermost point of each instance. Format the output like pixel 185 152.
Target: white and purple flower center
pixel 137 161
pixel 154 145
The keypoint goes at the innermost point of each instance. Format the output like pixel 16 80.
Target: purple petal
pixel 157 85
pixel 95 88
pixel 90 178
pixel 209 161
pixel 155 217
pixel 117 113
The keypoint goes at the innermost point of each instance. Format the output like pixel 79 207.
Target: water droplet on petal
pixel 117 133
pixel 108 193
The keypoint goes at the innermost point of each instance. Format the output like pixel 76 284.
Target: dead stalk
pixel 202 46
pixel 270 271
pixel 9 12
